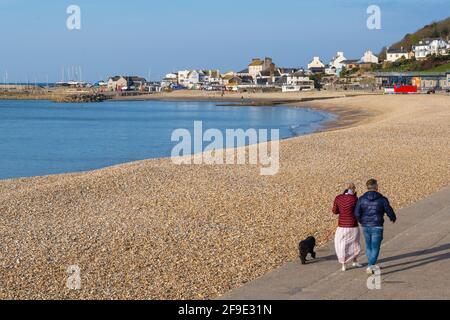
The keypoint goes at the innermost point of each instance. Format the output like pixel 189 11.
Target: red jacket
pixel 344 206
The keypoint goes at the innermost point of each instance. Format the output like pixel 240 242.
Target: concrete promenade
pixel 415 262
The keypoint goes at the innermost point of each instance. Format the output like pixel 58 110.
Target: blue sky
pixel 135 36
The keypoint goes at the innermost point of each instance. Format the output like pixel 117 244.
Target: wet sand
pixel 154 230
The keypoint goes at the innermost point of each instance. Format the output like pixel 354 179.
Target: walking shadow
pixel 321 259
pixel 442 255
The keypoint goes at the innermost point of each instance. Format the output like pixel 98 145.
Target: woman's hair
pixel 350 185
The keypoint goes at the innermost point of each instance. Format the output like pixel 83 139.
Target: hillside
pixel 432 64
pixel 433 30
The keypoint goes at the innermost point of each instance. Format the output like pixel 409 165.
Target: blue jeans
pixel 374 237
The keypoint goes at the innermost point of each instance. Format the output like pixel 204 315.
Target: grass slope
pixel 433 30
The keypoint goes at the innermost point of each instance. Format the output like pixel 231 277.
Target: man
pixel 370 211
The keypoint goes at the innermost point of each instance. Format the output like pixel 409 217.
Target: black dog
pixel 305 247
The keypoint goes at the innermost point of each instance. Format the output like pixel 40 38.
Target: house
pixel 296 81
pixel 335 66
pixel 209 76
pixel 154 87
pixel 182 76
pixel 369 57
pixel 350 64
pixel 230 80
pixel 287 71
pixel 257 65
pixel 316 65
pixel 431 46
pixel 247 80
pixel 336 61
pixel 393 55
pixel 299 79
pixel 193 78
pixel 116 83
pixel 243 73
pixel 169 80
pixel 332 71
pixel 189 78
pixel 120 83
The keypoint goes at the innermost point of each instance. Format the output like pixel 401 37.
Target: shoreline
pixel 153 230
pixel 342 118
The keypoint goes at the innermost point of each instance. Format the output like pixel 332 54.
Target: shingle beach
pixel 156 230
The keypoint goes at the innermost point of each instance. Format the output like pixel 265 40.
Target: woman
pixel 347 240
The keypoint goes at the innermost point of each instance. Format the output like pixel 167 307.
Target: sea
pixel 40 137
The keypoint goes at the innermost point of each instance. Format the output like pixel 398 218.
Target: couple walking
pixel 369 211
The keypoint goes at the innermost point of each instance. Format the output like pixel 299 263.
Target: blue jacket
pixel 371 208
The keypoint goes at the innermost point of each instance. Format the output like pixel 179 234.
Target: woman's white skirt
pixel 347 243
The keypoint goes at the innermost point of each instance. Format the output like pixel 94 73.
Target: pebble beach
pixel 155 230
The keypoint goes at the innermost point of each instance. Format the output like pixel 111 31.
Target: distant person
pixel 370 212
pixel 347 239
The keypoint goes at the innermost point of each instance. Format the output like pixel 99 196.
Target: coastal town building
pixel 350 64
pixel 297 81
pixel 316 65
pixel 299 78
pixel 209 76
pixel 122 83
pixel 423 80
pixel 116 83
pixel 257 66
pixel 332 71
pixel 169 80
pixel 393 54
pixel 154 87
pixel 243 73
pixel 230 79
pixel 337 60
pixel 193 79
pixel 188 78
pixel 287 71
pixel 369 57
pixel 267 77
pixel 429 46
pixel 182 77
pixel 335 65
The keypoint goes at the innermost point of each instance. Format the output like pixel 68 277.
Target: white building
pixel 169 79
pixel 182 77
pixel 428 47
pixel 297 81
pixel 316 65
pixel 209 76
pixel 298 78
pixel 193 78
pixel 393 55
pixel 369 57
pixel 336 62
pixel 330 70
pixel 188 78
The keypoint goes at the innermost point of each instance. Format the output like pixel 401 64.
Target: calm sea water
pixel 41 137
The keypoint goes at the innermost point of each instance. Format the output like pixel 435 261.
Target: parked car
pixel 431 91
